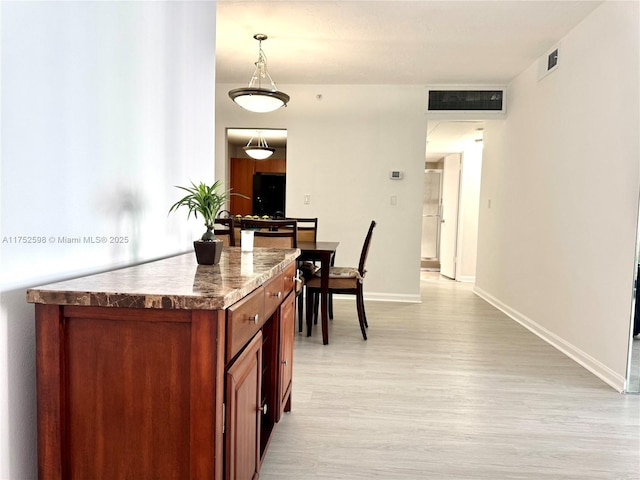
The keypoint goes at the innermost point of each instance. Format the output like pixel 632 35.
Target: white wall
pixel 340 150
pixel 468 211
pixel 105 106
pixel 556 249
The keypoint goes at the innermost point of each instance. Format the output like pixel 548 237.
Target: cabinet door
pixel 241 181
pixel 242 442
pixel 271 165
pixel 287 326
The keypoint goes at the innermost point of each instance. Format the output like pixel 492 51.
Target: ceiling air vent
pixel 467 101
pixel 463 100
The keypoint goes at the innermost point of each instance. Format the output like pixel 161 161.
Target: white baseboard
pixel 601 371
pixel 393 297
pixel 385 297
pixel 466 278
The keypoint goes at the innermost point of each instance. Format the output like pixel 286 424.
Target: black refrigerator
pixel 269 194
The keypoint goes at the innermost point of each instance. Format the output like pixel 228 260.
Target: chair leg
pixel 364 313
pixel 310 300
pixel 361 315
pixel 300 309
pixel 330 295
pixel 316 302
pixel 330 306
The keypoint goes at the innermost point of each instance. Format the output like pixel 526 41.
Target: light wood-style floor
pixel 447 389
pixel 634 378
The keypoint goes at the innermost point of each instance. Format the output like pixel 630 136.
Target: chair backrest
pixel 307 229
pixel 272 233
pixel 227 232
pixel 365 248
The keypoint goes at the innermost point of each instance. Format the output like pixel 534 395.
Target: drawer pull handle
pixel 263 409
pixel 277 295
pixel 254 318
pixel 284 362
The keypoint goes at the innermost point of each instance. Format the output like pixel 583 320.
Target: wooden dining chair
pixel 344 280
pixel 224 229
pixel 272 233
pixel 307 228
pixel 307 232
pixel 277 234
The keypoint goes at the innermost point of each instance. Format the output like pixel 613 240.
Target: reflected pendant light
pixel 255 98
pixel 260 150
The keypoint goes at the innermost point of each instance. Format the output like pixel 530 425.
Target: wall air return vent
pixel 477 101
pixel 548 62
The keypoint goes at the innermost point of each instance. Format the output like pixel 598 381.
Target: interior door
pixel 431 214
pixel 449 220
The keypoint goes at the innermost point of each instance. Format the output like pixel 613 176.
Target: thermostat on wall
pixel 396 175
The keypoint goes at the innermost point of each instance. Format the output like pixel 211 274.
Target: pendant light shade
pixel 255 98
pixel 259 100
pixel 260 150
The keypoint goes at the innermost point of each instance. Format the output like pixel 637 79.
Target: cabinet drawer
pixel 244 319
pixel 273 294
pixel 289 278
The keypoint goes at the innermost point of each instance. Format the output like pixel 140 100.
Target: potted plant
pixel 205 200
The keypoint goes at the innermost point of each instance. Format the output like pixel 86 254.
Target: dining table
pixel 321 252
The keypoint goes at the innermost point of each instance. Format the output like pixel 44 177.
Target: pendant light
pixel 260 150
pixel 255 98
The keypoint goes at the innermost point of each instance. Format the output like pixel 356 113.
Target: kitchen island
pixel 167 369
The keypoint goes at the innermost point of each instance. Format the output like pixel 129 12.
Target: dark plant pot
pixel 208 253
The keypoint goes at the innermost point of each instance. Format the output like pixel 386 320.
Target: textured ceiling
pixel 392 42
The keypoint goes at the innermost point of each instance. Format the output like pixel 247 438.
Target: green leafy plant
pixel 205 200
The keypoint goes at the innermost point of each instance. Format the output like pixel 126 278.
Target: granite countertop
pixel 173 283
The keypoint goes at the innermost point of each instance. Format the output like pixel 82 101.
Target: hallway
pixel 447 389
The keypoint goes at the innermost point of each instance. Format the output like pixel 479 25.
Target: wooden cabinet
pixel 271 165
pixel 129 392
pixel 241 172
pixel 259 378
pixel 176 386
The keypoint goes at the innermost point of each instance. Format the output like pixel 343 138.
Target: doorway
pixel 455 148
pixel 261 183
pixel 431 207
